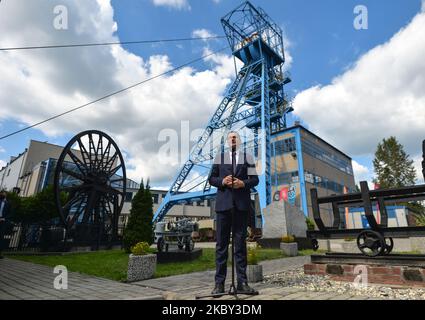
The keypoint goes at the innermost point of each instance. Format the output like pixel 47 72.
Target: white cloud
pixel 176 4
pixel 287 45
pixel 361 172
pixel 40 83
pixel 224 65
pixel 2 163
pixel 2 150
pixel 381 95
pixel 417 162
pixel 203 33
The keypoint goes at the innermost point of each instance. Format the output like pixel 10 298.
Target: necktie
pixel 234 161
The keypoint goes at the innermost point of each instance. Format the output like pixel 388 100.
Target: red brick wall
pixel 388 275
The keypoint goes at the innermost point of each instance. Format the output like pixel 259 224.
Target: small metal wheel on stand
pixel 315 244
pixel 180 243
pixel 371 243
pixel 189 244
pixel 389 245
pixel 160 245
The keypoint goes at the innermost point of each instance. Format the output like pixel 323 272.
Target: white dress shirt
pixel 236 160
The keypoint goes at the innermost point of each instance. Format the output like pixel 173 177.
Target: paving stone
pixel 30 281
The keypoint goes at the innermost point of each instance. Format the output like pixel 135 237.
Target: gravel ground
pixel 297 279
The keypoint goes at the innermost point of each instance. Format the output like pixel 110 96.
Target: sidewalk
pixel 24 280
pixel 188 286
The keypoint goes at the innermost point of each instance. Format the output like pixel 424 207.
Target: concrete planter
pixel 141 267
pixel 290 249
pixel 254 273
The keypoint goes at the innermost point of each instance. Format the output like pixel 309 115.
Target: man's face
pixel 233 140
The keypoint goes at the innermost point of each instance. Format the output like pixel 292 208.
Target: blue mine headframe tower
pixel 255 105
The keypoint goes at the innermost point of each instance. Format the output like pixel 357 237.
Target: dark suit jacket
pixel 245 171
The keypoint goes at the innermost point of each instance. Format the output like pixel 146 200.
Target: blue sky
pixel 323 39
pixel 323 44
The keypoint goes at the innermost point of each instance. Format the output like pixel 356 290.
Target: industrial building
pixel 301 161
pixel 33 169
pixel 295 150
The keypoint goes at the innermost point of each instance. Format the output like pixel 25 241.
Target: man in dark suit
pixel 4 215
pixel 245 178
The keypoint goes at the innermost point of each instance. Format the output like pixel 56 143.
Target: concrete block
pixel 141 267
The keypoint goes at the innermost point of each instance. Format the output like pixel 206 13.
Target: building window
pixel 285 146
pixel 128 196
pixel 309 177
pixel 155 198
pixel 287 178
pixel 323 182
pixel 330 158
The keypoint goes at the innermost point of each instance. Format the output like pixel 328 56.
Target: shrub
pixel 141 249
pixel 310 224
pixel 348 239
pixel 288 239
pixel 39 208
pixel 139 227
pixel 420 219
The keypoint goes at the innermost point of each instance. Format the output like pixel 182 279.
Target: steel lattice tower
pixel 255 105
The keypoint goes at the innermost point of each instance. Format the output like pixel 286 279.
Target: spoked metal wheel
pixel 90 174
pixel 189 244
pixel 389 245
pixel 315 244
pixel 371 243
pixel 160 244
pixel 180 242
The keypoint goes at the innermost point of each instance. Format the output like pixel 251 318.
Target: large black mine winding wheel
pixel 90 186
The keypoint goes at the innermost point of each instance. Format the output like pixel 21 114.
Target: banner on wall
pixel 292 194
pixel 286 194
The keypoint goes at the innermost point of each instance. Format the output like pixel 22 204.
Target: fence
pixel 55 238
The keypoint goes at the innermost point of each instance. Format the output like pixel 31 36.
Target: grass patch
pixel 112 264
pixel 309 252
pixel 417 252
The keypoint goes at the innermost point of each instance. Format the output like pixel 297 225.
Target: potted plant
pixel 310 224
pixel 289 246
pixel 141 262
pixel 254 270
pixel 349 245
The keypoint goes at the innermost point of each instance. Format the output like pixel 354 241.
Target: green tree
pixel 394 169
pixel 15 205
pixel 38 208
pixel 139 227
pixel 392 165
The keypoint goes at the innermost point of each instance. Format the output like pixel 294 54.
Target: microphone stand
pixel 232 289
